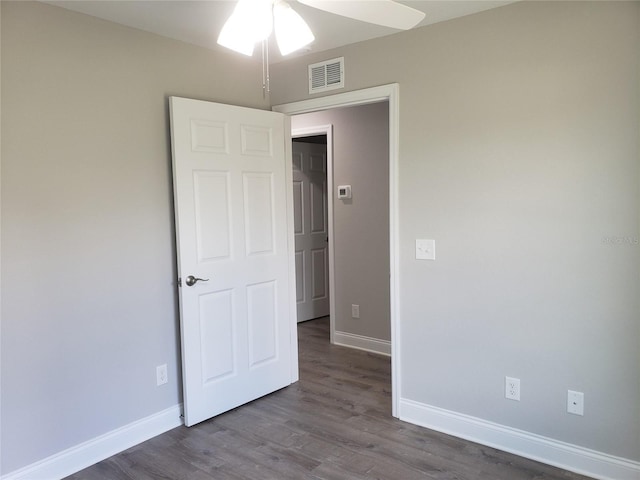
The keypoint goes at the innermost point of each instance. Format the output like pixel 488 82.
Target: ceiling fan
pixel 252 21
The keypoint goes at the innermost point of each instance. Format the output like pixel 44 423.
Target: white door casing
pixel 233 208
pixel 311 229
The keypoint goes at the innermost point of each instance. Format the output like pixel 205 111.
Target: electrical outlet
pixel 512 388
pixel 425 249
pixel 355 311
pixel 161 375
pixel 575 402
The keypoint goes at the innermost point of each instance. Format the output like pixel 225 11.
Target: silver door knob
pixel 191 280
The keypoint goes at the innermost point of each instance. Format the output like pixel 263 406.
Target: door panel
pixel 311 229
pixel 300 276
pixel 318 199
pixel 263 327
pixel 216 326
pixel 298 198
pixel 231 182
pixel 319 273
pixel 259 214
pixel 212 210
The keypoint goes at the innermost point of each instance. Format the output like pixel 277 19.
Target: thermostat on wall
pixel 344 191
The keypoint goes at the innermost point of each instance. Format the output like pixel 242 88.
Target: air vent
pixel 327 75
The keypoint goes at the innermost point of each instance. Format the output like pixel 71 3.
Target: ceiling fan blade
pixel 381 12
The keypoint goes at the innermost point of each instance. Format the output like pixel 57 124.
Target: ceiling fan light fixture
pixel 233 36
pixel 250 23
pixel 292 32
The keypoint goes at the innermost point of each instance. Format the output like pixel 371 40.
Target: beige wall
pixel 519 155
pixel 361 226
pixel 88 277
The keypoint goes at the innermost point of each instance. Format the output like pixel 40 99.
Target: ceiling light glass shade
pixel 250 23
pixel 292 32
pixel 233 36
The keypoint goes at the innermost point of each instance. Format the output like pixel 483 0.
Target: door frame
pixel 389 93
pixel 326 130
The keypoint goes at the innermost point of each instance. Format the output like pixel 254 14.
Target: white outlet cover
pixel 425 249
pixel 512 388
pixel 575 402
pixel 161 375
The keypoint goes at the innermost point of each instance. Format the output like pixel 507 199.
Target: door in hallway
pixel 311 229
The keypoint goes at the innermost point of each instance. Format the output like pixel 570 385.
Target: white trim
pixel 360 342
pixel 358 97
pixel 328 131
pixel 525 444
pixel 84 455
pixel 291 242
pixel 391 94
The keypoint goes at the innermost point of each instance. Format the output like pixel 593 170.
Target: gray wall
pixel 88 276
pixel 361 226
pixel 519 154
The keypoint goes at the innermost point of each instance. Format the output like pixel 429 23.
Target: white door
pixel 232 177
pixel 311 229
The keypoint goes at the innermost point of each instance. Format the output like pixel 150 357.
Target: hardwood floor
pixel 335 423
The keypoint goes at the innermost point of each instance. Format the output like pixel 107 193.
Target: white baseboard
pixel 536 447
pixel 374 345
pixel 97 449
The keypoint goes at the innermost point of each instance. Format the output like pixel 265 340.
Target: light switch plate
pixel 425 249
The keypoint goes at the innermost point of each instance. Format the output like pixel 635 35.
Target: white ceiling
pixel 199 22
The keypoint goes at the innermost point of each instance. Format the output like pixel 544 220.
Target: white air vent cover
pixel 327 75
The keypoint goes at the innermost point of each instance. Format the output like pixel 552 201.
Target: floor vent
pixel 327 75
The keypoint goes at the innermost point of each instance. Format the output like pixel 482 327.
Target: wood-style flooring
pixel 335 423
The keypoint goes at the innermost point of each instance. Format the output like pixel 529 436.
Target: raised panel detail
pixel 298 208
pixel 212 215
pixel 317 204
pixel 262 315
pixel 318 163
pixel 300 276
pixel 318 269
pixel 257 141
pixel 258 213
pixel 217 335
pixel 297 161
pixel 209 136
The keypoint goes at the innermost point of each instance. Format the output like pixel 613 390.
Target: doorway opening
pixel 389 95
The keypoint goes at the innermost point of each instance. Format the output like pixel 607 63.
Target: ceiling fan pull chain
pixel 264 75
pixel 266 87
pixel 266 43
